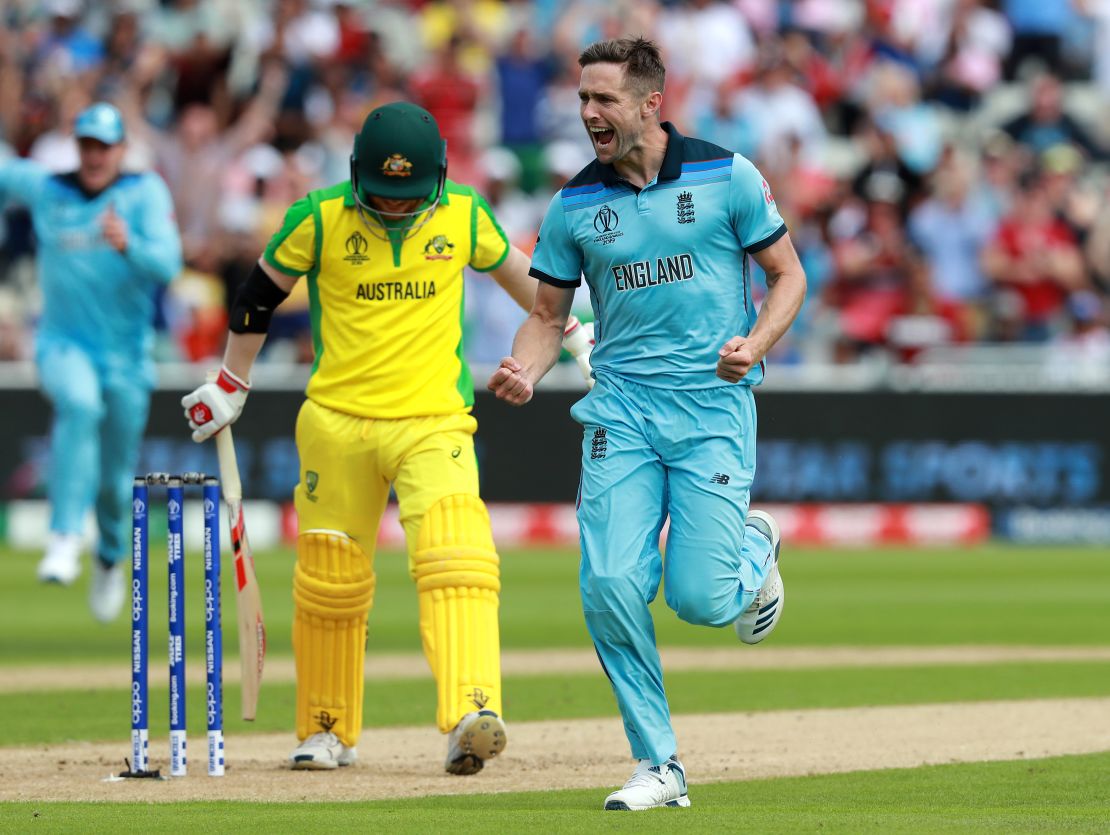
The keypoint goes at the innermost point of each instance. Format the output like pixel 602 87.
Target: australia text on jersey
pixel 653 272
pixel 395 290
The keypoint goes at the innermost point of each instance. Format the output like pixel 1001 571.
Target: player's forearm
pixel 513 277
pixel 785 295
pixel 538 344
pixel 241 352
pixel 160 260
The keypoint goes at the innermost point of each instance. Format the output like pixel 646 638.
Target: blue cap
pixel 102 122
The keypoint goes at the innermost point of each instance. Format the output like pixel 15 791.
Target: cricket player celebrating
pixel 661 225
pixel 107 242
pixel 388 402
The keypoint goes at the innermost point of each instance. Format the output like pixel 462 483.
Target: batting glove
pixel 578 339
pixel 215 405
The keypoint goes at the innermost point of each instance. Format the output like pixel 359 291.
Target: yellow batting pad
pixel 333 588
pixel 457 583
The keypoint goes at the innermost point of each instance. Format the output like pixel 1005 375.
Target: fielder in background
pixel 661 225
pixel 388 402
pixel 107 241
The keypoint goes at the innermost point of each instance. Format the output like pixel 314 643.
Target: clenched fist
pixel 215 405
pixel 509 383
pixel 736 358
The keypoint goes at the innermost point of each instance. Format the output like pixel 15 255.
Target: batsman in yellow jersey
pixel 388 402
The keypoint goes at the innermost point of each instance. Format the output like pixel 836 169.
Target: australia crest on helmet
pixel 396 165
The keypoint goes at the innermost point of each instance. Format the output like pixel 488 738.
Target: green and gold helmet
pixel 399 154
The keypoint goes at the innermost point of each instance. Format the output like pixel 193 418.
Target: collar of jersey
pixel 672 160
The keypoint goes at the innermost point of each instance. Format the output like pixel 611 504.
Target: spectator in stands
pixel 1068 190
pixel 871 269
pixel 894 102
pixel 451 94
pixel 812 70
pixel 183 71
pixel 1035 255
pixel 1001 163
pixel 1098 15
pixel 950 229
pixel 1046 124
pixel 195 155
pixel 522 75
pixel 67 49
pixel 924 319
pixel 56 149
pixel 718 121
pixel 780 109
pixel 1039 30
pixel 1097 246
pixel 706 42
pixel 970 61
pixel 884 170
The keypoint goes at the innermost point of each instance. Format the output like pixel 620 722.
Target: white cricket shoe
pixel 651 786
pixel 62 562
pixel 479 736
pixel 322 752
pixel 107 591
pixel 759 619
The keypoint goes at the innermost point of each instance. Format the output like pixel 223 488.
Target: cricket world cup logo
pixel 138 507
pixel 605 224
pixel 173 508
pixel 606 220
pixel 209 507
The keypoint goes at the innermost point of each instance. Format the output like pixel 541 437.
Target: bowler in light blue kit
pixel 661 226
pixel 107 241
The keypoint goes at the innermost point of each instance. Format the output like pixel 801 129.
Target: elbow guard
pixel 255 303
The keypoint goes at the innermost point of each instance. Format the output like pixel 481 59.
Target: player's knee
pixel 454 548
pixel 609 592
pixel 333 577
pixel 79 407
pixel 700 602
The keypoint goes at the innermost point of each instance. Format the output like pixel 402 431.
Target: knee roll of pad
pixel 333 588
pixel 458 585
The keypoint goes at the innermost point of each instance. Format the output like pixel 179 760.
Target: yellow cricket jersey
pixel 387 316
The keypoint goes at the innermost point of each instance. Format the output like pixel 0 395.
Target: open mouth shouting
pixel 602 136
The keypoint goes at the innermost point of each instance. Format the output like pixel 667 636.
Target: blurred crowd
pixel 941 164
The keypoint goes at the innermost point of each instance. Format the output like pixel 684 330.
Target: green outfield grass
pixel 890 597
pixel 103 714
pixel 1062 794
pixel 984 595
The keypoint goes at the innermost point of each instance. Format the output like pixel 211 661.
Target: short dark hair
pixel 643 67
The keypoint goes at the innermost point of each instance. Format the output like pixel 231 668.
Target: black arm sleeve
pixel 255 302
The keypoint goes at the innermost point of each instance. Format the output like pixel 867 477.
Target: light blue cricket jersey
pixel 667 265
pixel 92 295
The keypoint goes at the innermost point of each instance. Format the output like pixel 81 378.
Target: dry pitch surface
pixel 407 762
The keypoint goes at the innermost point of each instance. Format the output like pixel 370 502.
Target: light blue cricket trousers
pixel 649 453
pixel 100 411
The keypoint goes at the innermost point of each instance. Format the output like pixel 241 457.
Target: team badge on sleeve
pixel 767 196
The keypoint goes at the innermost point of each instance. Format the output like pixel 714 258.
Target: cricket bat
pixel 252 629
